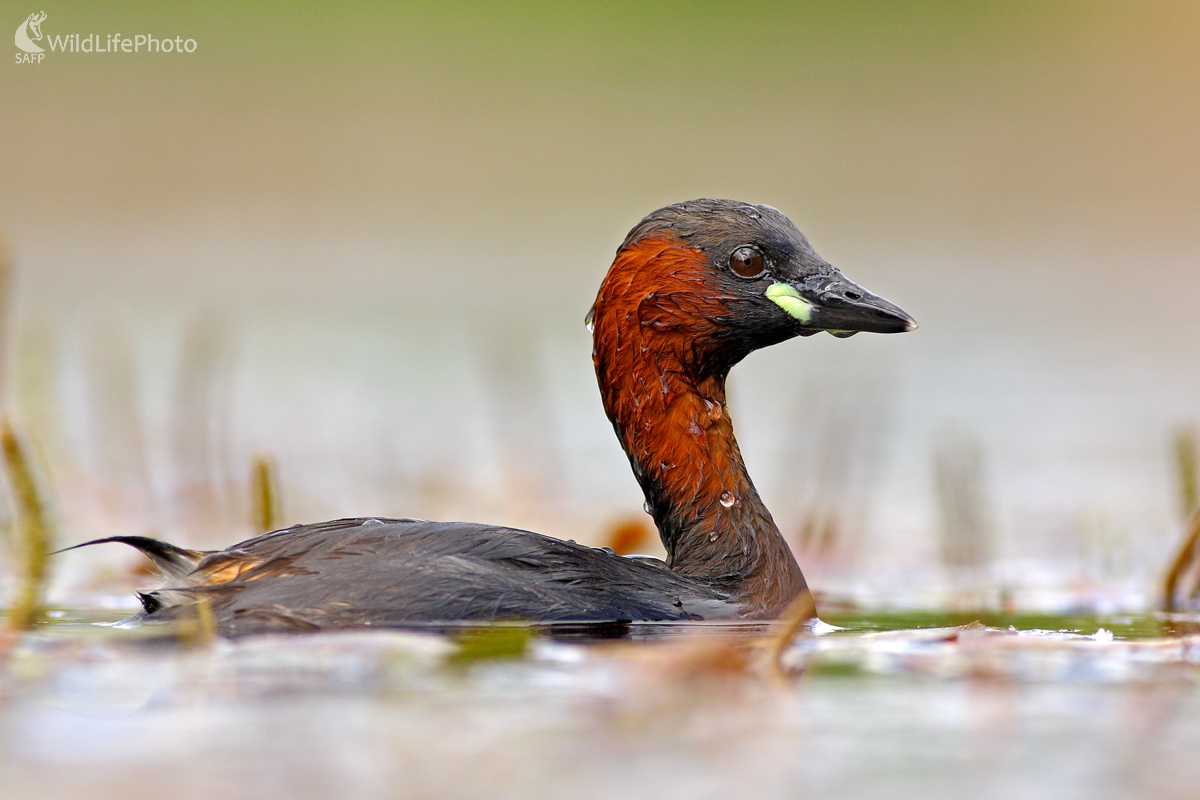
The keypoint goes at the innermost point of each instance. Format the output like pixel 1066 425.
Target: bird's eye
pixel 747 261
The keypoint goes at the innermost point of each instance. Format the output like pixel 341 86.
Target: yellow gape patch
pixel 787 298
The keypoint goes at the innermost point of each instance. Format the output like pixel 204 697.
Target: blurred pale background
pixel 362 239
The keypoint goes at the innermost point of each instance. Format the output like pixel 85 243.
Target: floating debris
pixel 492 642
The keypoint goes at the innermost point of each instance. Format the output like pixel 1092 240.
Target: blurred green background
pixel 362 238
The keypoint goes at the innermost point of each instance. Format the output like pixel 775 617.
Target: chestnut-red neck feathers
pixel 662 380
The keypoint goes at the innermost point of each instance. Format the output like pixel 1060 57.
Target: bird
pixel 694 288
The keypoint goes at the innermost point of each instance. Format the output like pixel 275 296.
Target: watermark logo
pixel 29 34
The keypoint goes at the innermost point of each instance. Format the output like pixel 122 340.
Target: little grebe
pixel 694 288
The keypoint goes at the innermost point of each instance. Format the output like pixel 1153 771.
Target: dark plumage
pixel 392 572
pixel 693 289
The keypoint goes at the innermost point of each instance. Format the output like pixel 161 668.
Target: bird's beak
pixel 840 305
pixel 833 303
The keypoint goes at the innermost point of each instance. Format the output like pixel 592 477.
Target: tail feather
pixel 150 602
pixel 171 561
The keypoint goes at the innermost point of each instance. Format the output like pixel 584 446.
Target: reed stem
pixel 1186 469
pixel 1185 559
pixel 32 529
pixel 798 616
pixel 264 493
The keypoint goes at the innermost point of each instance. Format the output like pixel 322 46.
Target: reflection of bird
pixel 694 288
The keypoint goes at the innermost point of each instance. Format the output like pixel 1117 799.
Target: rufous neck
pixel 673 423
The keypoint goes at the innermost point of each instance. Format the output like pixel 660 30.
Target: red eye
pixel 747 261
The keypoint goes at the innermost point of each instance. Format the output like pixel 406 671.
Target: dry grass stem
pixel 1186 470
pixel 5 283
pixel 264 492
pixel 1187 556
pixel 198 629
pixel 32 529
pixel 1184 562
pixel 792 622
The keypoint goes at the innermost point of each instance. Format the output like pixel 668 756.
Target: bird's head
pixel 714 280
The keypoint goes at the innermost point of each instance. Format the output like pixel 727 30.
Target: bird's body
pixel 694 288
pixel 396 572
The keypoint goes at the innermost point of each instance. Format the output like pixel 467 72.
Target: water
pixel 684 711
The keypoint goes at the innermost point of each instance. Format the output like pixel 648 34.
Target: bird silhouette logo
pixel 30 33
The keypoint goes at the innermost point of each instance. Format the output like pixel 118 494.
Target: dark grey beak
pixel 845 308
